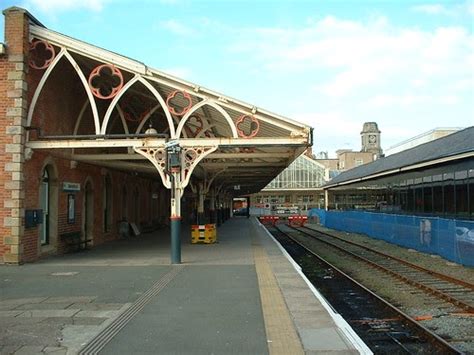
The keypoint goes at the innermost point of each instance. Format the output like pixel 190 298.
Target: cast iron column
pixel 174 170
pixel 175 220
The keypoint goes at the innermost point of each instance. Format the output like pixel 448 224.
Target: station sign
pixel 71 187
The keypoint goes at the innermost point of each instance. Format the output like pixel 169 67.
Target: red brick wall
pixel 12 113
pixel 81 174
pixel 56 112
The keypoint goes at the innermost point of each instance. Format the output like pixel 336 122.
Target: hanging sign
pixel 71 187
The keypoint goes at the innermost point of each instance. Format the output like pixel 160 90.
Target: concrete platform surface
pixel 239 296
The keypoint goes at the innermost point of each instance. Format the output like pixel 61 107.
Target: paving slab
pixel 97 314
pixel 204 310
pixel 48 313
pixel 55 350
pixel 29 350
pixel 10 313
pixel 97 306
pixel 43 306
pixel 212 306
pixel 74 299
pixel 12 303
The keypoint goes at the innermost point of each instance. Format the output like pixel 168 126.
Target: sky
pixel 407 65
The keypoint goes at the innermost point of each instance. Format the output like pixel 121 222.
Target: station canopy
pixel 92 105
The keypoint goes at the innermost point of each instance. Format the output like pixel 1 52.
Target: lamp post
pixel 173 151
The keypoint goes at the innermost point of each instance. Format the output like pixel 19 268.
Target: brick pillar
pixel 13 86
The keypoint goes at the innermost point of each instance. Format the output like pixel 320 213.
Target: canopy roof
pixel 458 145
pixel 119 99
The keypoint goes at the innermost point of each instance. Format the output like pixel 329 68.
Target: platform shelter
pixel 93 138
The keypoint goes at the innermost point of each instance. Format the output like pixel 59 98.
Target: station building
pixel 435 178
pixel 92 141
pixel 420 198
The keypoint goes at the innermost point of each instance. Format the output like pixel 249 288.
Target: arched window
pixel 45 197
pixel 124 204
pixel 107 203
pixel 137 206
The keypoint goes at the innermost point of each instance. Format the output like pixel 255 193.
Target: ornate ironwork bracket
pixel 190 158
pixel 157 156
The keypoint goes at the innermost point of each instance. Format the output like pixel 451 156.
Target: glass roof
pixel 303 173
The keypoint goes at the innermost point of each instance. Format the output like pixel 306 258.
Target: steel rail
pixel 460 303
pixel 434 273
pixel 434 338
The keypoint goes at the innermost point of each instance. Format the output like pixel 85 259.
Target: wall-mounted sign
pixel 71 187
pixel 236 187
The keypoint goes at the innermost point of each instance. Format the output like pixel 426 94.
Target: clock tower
pixel 370 137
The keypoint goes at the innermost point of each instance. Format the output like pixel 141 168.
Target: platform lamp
pixel 151 130
pixel 173 167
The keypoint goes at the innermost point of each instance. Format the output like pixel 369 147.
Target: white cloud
pixel 57 6
pixel 339 73
pixel 177 27
pixel 431 9
pixel 388 100
pixel 456 9
pixel 355 55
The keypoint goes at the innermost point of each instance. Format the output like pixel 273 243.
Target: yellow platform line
pixel 282 338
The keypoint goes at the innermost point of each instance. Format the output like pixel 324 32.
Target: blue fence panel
pixel 450 238
pixel 319 213
pixel 464 241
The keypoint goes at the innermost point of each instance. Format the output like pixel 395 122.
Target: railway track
pixel 383 327
pixel 457 292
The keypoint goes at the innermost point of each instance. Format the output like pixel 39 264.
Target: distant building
pixel 370 139
pixel 348 159
pixel 300 184
pixel 420 139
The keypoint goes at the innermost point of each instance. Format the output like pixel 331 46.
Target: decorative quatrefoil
pixel 254 126
pixel 185 109
pixel 131 107
pixel 105 81
pixel 194 126
pixel 41 54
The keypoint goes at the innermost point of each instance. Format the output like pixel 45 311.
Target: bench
pixel 74 240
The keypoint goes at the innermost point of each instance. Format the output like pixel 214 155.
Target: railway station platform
pixel 241 295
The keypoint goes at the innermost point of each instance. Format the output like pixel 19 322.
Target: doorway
pixel 88 211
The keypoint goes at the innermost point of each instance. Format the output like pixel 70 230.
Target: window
pixel 438 201
pixel 107 204
pixel 359 162
pixel 410 200
pixel 137 206
pixel 449 199
pixel 461 198
pixel 45 197
pixel 428 199
pixel 124 204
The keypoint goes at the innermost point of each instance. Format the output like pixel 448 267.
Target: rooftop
pixel 454 146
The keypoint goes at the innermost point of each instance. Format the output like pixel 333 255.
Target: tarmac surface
pixel 238 296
